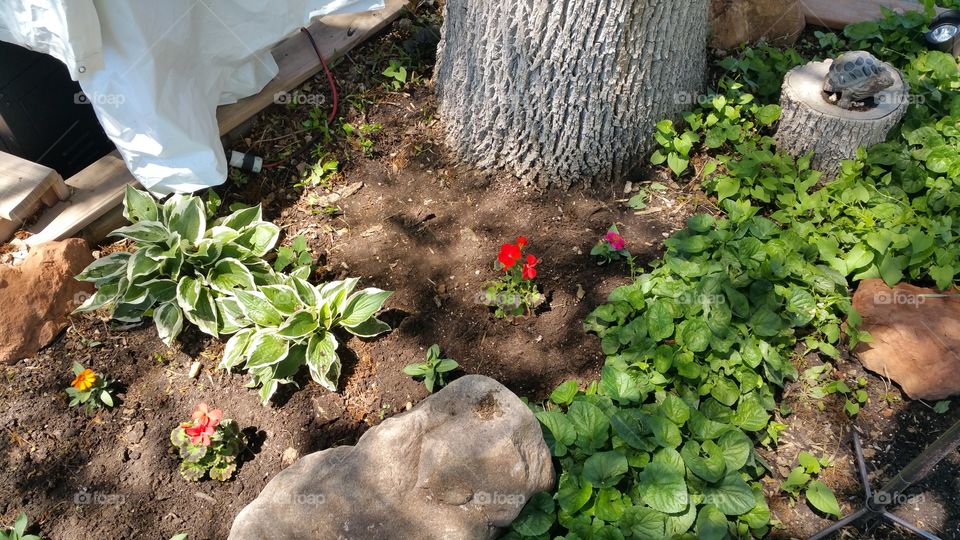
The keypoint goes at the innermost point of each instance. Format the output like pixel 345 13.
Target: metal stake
pixel 875 504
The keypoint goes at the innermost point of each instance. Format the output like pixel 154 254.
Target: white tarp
pixel 155 70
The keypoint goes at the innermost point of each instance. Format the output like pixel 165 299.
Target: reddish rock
pixel 734 22
pixel 38 296
pixel 916 337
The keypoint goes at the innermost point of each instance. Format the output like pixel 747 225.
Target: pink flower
pixel 615 240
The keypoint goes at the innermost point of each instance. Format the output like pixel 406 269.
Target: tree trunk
pixel 811 123
pixel 566 91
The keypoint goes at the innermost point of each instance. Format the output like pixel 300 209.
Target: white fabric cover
pixel 155 70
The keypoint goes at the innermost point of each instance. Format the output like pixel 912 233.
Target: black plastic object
pixel 944 34
pixel 44 117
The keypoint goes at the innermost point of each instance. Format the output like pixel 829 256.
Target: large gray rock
pixel 459 465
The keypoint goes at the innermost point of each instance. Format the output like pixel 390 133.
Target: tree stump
pixel 811 122
pixel 567 91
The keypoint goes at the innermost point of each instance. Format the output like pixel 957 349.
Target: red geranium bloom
pixel 203 415
pixel 203 425
pixel 530 267
pixel 200 433
pixel 509 255
pixel 615 240
pixel 521 241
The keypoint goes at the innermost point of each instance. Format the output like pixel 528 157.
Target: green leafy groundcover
pixel 662 445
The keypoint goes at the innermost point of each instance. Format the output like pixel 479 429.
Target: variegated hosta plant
pixel 291 325
pixel 183 267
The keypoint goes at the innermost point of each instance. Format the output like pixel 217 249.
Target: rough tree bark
pixel 811 123
pixel 568 90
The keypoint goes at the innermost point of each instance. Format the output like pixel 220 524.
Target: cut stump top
pixel 806 85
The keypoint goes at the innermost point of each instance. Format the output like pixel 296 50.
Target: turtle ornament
pixel 857 76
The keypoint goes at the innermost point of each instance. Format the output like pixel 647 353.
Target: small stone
pixel 290 455
pixel 194 370
pixel 135 432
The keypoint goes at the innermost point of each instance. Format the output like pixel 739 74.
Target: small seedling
pixel 397 74
pixel 433 369
pixel 19 529
pixel 297 254
pixel 92 390
pixel 802 478
pixel 941 407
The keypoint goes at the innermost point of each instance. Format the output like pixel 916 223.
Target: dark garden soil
pixel 412 221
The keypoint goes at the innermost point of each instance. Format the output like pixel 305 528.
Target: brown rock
pixel 39 294
pixel 734 22
pixel 916 337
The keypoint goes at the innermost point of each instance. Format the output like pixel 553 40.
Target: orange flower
pixel 84 380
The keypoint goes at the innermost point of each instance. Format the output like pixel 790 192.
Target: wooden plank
pixel 98 189
pixel 837 14
pixel 335 36
pixel 22 186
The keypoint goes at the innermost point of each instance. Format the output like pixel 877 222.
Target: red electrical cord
pixel 333 110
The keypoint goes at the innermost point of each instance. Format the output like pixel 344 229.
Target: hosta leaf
pixel 662 488
pixel 233 351
pixel 298 325
pixel 335 293
pixel 188 218
pixel 322 360
pixel 731 495
pixel 362 305
pixel 204 314
pixel 241 218
pixel 105 268
pixel 140 266
pixel 148 232
pixel 106 294
pixel 265 349
pixel 368 328
pixel 161 290
pixel 258 308
pixel 282 297
pixel 229 274
pixel 169 321
pixel 604 469
pixel 230 315
pixel 259 238
pixel 188 292
pixel 139 205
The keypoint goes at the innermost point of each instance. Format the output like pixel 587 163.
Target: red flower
pixel 615 240
pixel 203 425
pixel 509 254
pixel 521 241
pixel 200 433
pixel 530 267
pixel 204 415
